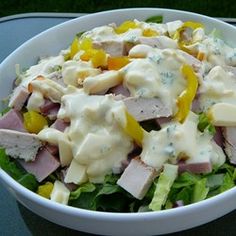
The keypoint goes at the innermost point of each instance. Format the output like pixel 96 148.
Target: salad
pixel 129 118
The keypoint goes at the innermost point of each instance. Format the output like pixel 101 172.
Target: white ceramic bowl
pixel 51 42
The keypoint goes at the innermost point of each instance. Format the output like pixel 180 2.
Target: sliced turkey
pixel 137 178
pixel 146 108
pixel 20 145
pixel 19 97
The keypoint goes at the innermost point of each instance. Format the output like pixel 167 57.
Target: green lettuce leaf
pixel 16 172
pixel 204 124
pixel 163 186
pixel 200 190
pixel 155 19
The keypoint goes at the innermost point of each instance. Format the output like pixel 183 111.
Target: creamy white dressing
pixel 156 75
pixel 94 143
pixel 74 72
pixel 97 140
pixel 45 67
pixel 218 86
pixel 175 141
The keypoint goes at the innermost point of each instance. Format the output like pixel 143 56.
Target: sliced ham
pixel 114 48
pixel 137 178
pixel 19 97
pixel 20 145
pixel 146 108
pixel 229 134
pixel 119 90
pixel 44 164
pixel 47 106
pixel 196 168
pixel 53 149
pixel 12 120
pixel 218 137
pixel 60 125
pixel 50 109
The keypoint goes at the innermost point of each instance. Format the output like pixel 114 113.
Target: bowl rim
pixel 8 180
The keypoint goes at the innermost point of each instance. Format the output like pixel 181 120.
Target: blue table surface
pixel 15 219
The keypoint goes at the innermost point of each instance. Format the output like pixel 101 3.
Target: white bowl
pixel 51 42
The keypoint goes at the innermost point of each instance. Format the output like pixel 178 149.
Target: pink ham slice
pixel 229 134
pixel 196 168
pixel 44 164
pixel 119 90
pixel 146 108
pixel 218 137
pixel 137 178
pixel 50 109
pixel 60 125
pixel 12 120
pixel 19 97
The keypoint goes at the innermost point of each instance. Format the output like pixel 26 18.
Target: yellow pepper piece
pixel 125 26
pixel 183 44
pixel 97 56
pixel 201 56
pixel 45 190
pixel 116 63
pixel 134 129
pixel 150 33
pixel 185 99
pixel 188 24
pixel 74 48
pixel 34 122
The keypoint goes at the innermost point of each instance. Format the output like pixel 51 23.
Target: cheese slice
pixel 222 114
pixel 76 173
pixel 60 193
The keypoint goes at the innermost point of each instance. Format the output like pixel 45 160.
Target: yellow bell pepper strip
pixel 150 33
pixel 116 63
pixel 201 56
pixel 188 24
pixel 177 35
pixel 134 129
pixel 125 26
pixel 74 48
pixel 185 99
pixel 45 190
pixel 34 122
pixel 97 56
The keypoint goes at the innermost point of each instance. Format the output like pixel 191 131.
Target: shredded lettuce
pixel 102 197
pixel 192 188
pixel 16 172
pixel 200 190
pixel 204 124
pixel 163 186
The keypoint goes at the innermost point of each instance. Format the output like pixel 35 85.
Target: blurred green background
pixel 226 8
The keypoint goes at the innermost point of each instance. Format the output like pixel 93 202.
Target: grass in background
pixel 216 8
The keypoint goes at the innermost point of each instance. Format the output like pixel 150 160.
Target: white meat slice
pixel 137 178
pixel 229 134
pixel 19 97
pixel 146 108
pixel 114 48
pixel 19 145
